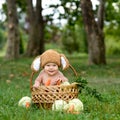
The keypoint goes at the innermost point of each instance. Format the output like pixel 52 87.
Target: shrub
pixel 2 39
pixel 112 45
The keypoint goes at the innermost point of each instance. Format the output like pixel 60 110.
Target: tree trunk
pixel 94 30
pixel 36 32
pixel 13 32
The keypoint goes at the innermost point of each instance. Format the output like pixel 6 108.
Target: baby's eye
pixel 54 65
pixel 48 65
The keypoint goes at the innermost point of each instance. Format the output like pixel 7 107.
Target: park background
pixel 74 28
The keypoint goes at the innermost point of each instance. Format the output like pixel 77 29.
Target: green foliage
pixel 72 11
pixel 112 11
pixel 73 39
pixel 4 8
pixel 2 38
pixel 22 5
pixel 112 26
pixel 21 49
pixel 112 45
pixel 83 85
pixel 52 34
pixel 69 40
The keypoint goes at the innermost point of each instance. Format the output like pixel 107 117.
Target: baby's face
pixel 51 68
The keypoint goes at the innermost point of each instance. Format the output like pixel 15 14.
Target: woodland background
pixel 29 28
pixel 87 32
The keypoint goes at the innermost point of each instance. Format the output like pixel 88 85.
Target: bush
pixel 112 45
pixel 73 39
pixel 2 39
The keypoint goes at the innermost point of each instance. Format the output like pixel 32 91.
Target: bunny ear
pixel 36 64
pixel 64 62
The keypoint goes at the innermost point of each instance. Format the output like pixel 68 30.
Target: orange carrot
pixel 71 109
pixel 47 83
pixel 58 82
pixel 27 105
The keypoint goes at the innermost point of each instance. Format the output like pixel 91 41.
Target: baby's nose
pixel 50 66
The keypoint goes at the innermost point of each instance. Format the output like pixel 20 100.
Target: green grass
pixel 14 84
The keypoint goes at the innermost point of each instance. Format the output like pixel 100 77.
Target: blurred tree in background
pixel 39 31
pixel 13 41
pixel 94 30
pixel 36 30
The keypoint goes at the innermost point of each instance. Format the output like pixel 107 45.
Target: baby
pixel 50 75
pixel 50 61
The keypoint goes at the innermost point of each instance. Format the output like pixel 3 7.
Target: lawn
pixel 14 84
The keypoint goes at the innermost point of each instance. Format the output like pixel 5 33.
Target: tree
pixel 13 32
pixel 94 31
pixel 36 31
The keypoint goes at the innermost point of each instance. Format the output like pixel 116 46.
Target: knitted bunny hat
pixel 50 56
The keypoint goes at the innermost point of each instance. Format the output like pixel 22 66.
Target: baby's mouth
pixel 51 71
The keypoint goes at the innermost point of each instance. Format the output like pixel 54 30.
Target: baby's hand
pixel 36 85
pixel 58 82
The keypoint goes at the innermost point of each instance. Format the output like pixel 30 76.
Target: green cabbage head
pixel 58 105
pixel 22 102
pixel 77 105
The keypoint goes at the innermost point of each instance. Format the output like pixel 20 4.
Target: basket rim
pixel 74 84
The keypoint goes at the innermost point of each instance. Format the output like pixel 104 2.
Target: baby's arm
pixel 38 80
pixel 62 77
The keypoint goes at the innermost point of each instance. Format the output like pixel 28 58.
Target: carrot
pixel 47 83
pixel 27 105
pixel 58 82
pixel 71 109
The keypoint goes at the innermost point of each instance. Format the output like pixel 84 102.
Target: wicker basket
pixel 44 96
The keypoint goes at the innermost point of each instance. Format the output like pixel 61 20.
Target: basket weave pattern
pixel 48 94
pixel 45 96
